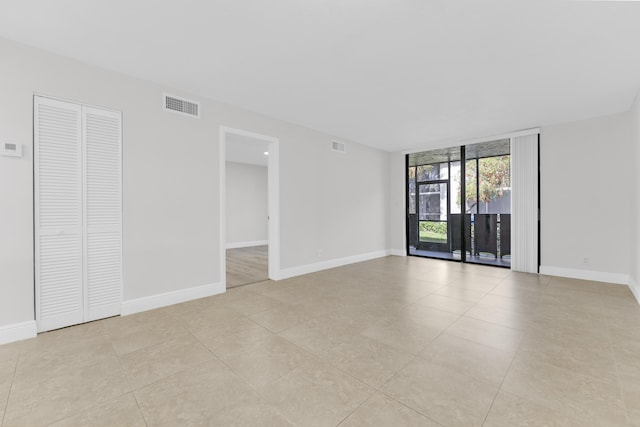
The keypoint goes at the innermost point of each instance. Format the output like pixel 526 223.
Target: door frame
pixel 273 196
pixel 431 246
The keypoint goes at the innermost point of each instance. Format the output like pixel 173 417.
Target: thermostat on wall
pixel 10 149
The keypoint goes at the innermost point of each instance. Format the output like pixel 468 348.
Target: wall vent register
pixel 181 105
pixel 340 147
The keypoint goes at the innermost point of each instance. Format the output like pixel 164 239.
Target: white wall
pixel 586 197
pixel 634 253
pixel 398 211
pixel 337 203
pixel 246 198
pixel 332 205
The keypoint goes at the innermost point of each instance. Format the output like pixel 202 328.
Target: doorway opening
pixel 249 232
pixel 459 203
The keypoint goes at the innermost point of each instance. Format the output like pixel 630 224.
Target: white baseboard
pixel 597 276
pixel 286 273
pixel 398 252
pixel 18 331
pixel 170 298
pixel 635 289
pixel 247 244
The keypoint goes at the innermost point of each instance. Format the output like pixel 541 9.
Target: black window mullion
pixel 463 201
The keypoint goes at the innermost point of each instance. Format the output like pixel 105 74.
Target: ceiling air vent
pixel 181 105
pixel 340 147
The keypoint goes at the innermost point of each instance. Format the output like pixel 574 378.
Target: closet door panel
pixel 102 212
pixel 58 213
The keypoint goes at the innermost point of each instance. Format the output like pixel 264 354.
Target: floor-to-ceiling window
pixel 459 203
pixel 488 202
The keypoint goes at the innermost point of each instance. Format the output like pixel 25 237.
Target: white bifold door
pixel 78 213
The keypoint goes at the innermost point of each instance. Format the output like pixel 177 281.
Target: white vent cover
pixel 338 146
pixel 181 105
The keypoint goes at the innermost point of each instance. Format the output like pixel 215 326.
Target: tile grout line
pixel 346 372
pixel 615 360
pixel 96 405
pixel 13 378
pixel 358 407
pixel 134 389
pixel 484 420
pixel 416 356
pixel 219 359
pixel 321 360
pixel 400 402
pixel 516 353
pixel 135 398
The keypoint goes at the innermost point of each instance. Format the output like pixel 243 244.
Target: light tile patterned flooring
pixel 390 342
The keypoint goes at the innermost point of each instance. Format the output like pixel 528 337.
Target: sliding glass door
pixel 488 194
pixel 437 224
pixel 432 205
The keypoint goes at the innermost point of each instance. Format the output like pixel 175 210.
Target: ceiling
pixel 393 74
pixel 480 150
pixel 242 149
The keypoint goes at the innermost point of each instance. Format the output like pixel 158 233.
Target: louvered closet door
pixel 58 213
pixel 102 212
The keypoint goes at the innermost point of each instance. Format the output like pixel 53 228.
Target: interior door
pixel 58 213
pixel 78 213
pixel 102 145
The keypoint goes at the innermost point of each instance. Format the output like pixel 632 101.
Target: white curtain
pixel 524 203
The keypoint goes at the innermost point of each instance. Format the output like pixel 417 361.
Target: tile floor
pixel 390 342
